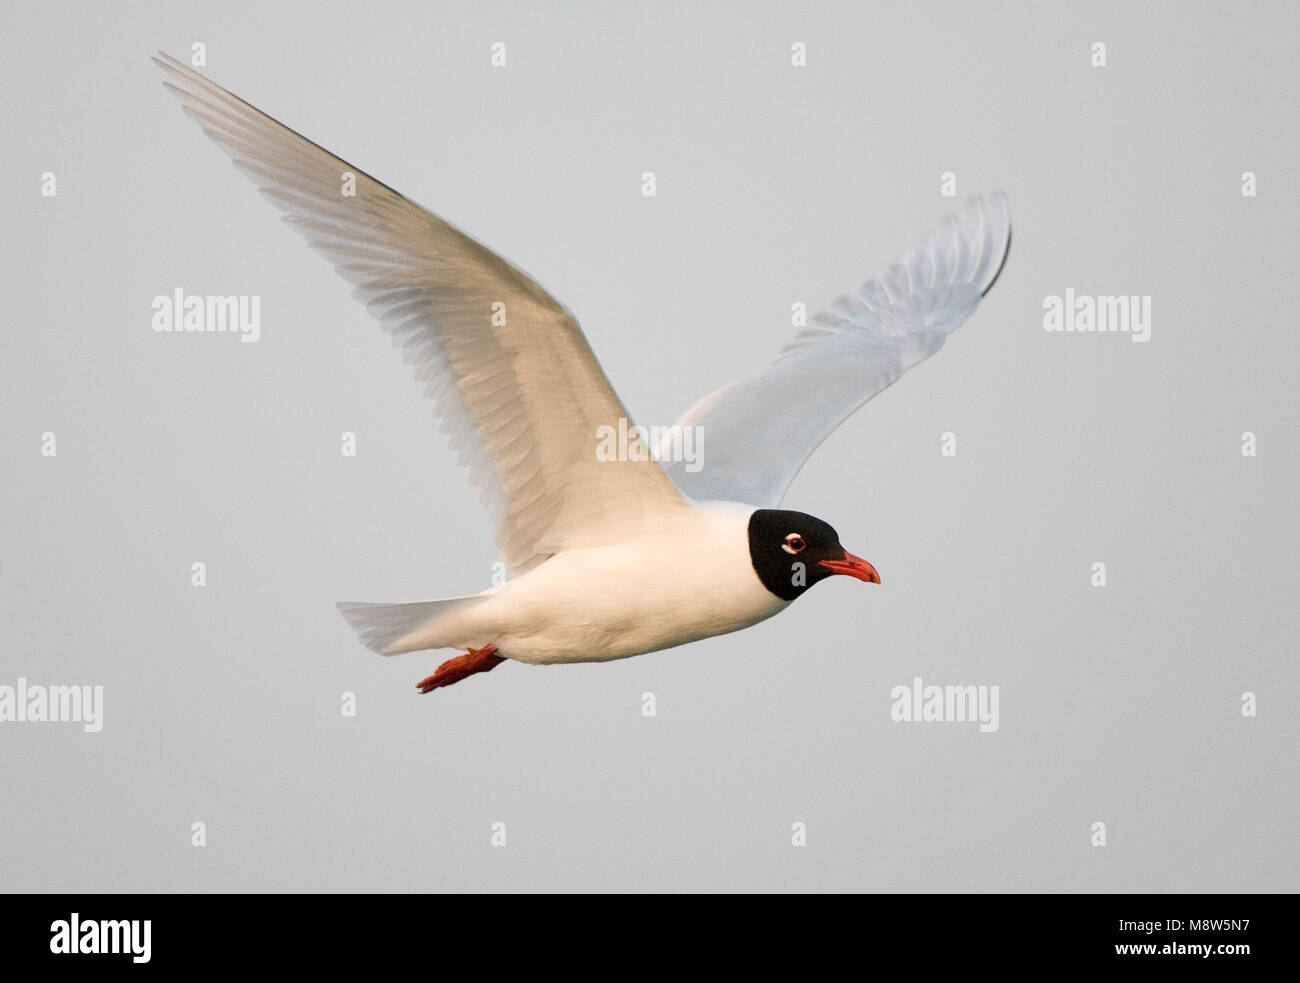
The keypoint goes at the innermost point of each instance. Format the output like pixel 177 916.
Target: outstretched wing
pixel 760 430
pixel 521 403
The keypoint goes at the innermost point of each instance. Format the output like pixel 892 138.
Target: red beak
pixel 853 566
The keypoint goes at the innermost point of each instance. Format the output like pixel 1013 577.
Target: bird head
pixel 791 551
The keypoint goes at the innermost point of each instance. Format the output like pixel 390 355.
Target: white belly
pixel 592 605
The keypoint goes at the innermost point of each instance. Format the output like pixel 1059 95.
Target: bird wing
pixel 760 430
pixel 520 403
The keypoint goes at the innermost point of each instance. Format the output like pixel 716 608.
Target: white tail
pixel 383 627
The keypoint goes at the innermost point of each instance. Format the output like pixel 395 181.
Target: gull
pixel 607 558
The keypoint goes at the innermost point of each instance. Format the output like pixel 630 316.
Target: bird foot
pixel 454 670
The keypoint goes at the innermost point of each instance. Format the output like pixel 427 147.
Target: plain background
pixel 775 185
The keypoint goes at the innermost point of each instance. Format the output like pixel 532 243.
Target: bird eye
pixel 794 543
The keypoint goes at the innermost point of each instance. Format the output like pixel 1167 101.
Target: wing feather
pixel 760 430
pixel 521 404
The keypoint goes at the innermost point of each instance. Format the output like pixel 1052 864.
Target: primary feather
pixel 762 429
pixel 521 403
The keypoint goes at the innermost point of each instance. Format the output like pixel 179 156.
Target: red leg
pixel 454 670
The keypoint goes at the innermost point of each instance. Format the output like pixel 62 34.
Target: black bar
pixel 979 932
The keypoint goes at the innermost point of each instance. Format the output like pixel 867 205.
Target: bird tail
pixel 390 629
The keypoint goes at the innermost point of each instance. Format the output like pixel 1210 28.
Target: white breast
pixel 677 585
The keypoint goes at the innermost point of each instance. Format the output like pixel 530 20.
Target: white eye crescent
pixel 794 543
